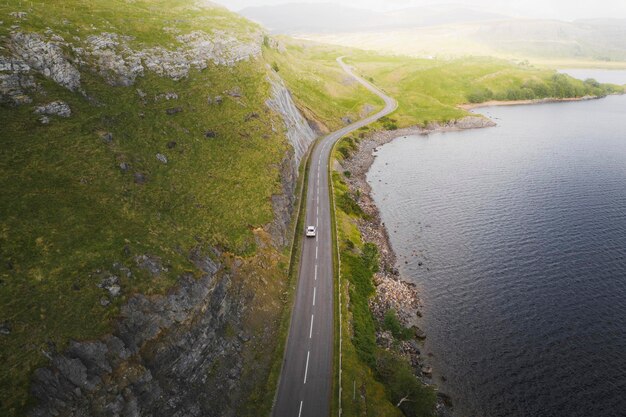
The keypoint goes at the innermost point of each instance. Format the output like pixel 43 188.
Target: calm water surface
pixel 602 75
pixel 522 233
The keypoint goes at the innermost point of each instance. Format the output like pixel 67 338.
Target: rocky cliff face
pixel 300 136
pixel 192 352
pixel 172 355
pixel 298 131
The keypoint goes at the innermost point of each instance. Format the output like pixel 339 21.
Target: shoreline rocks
pixel 393 292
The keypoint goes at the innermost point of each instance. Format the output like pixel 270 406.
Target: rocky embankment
pixel 392 291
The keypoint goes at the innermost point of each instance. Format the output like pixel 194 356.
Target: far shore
pixel 470 106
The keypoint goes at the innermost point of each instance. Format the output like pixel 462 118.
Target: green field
pixel 430 90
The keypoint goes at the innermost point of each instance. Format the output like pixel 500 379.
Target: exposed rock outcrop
pixel 128 373
pixel 111 56
pixel 56 108
pixel 283 203
pixel 15 81
pixel 298 131
pixel 113 59
pixel 46 58
pixel 300 136
pixel 119 64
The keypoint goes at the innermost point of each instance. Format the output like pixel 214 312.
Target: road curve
pixel 304 389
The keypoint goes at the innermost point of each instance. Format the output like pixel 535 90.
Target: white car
pixel 311 231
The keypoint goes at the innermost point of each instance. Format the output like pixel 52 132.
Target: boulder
pixel 56 108
pixel 107 137
pixel 234 92
pixel 172 111
pixel 162 158
pixel 5 328
pixel 111 284
pixel 140 178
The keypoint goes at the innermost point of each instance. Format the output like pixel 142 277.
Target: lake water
pixel 604 76
pixel 521 230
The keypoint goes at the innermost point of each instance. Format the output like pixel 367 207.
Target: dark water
pixel 522 233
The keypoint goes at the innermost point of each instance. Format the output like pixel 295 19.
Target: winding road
pixel 305 383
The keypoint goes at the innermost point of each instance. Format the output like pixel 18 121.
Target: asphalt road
pixel 306 379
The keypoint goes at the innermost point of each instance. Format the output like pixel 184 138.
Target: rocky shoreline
pixel 392 290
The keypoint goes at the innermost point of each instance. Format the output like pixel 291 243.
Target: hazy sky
pixel 554 9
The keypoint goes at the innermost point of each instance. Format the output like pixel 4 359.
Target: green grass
pixel 431 90
pixel 319 84
pixel 392 323
pixel 143 20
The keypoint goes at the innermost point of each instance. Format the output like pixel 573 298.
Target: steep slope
pixel 148 168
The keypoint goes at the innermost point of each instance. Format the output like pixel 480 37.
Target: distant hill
pixel 449 31
pixel 313 18
pixel 299 18
pixel 598 39
pixel 440 15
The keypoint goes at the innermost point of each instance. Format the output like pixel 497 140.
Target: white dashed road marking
pixel 306 369
pixel 311 330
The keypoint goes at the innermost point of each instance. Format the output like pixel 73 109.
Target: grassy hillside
pixel 430 90
pixel 320 85
pixel 155 167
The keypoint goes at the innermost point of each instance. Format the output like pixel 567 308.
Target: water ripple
pixel 521 233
